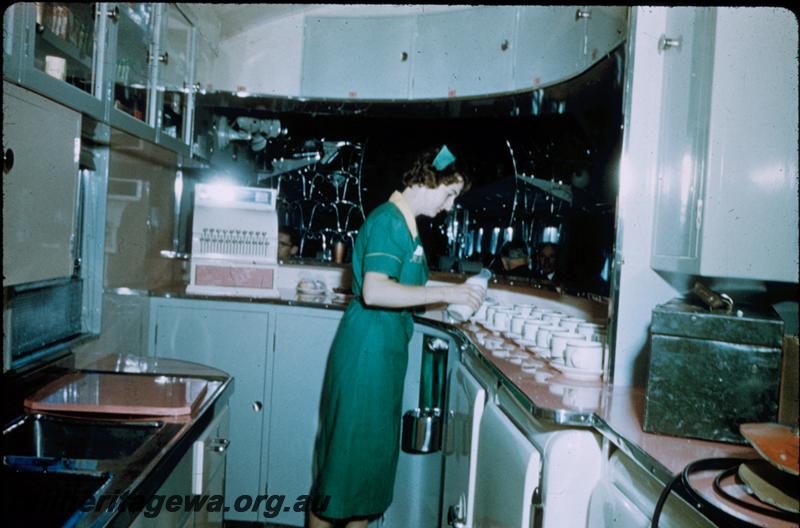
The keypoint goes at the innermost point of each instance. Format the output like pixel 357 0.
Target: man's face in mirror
pixel 547 259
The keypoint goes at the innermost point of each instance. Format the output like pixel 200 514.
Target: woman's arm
pixel 380 290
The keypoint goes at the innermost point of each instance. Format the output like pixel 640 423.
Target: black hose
pixel 683 487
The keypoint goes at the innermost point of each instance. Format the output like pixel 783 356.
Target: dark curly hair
pixel 422 172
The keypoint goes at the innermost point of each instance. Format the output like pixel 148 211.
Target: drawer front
pixel 209 452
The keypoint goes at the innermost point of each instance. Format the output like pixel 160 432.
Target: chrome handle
pixel 221 445
pixel 665 43
pixel 8 160
pixel 163 58
pixel 113 14
pixel 257 406
pixel 583 13
pixel 454 518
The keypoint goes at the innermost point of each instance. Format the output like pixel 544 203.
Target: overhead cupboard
pixel 130 65
pixel 727 166
pixel 455 53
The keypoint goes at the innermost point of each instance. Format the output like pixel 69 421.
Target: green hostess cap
pixel 443 159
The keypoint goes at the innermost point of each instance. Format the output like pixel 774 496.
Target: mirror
pixel 542 166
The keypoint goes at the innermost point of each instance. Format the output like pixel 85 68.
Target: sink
pixel 38 435
pixel 52 498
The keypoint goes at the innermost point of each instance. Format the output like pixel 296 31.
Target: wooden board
pixel 771 485
pixel 778 444
pixel 109 393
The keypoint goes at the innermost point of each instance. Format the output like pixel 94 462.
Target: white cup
pixel 584 355
pixel 518 324
pixel 531 327
pixel 537 313
pixel 55 67
pixel 502 321
pixel 480 315
pixel 558 343
pixel 524 309
pixel 490 311
pixel 571 323
pixel 587 329
pixel 544 334
pixel 552 319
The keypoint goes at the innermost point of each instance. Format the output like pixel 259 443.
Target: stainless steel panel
pixel 40 189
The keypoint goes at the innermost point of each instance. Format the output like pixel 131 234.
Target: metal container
pixel 712 370
pixel 422 431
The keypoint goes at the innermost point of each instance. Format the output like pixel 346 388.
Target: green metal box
pixel 711 370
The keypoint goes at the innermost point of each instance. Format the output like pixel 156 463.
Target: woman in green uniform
pixel 360 414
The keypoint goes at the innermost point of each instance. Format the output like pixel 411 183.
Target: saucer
pixel 512 335
pixel 501 353
pixel 310 291
pixel 577 374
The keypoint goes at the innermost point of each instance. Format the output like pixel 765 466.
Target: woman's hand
pixel 470 294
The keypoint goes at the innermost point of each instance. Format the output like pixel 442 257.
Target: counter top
pixel 616 413
pixel 141 473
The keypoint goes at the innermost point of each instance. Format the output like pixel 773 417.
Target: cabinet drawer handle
pixel 582 13
pixel 221 445
pixel 8 160
pixel 163 58
pixel 257 405
pixel 113 14
pixel 665 43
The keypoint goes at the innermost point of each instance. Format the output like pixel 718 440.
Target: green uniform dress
pixel 360 411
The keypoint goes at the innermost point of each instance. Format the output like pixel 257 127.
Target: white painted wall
pixel 640 287
pixel 268 59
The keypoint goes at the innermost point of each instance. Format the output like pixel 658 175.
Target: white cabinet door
pixel 549 46
pixel 508 473
pixel 303 339
pixel 41 144
pixel 466 399
pixel 467 52
pixel 357 57
pixel 750 209
pixel 232 337
pixel 726 203
pixel 606 28
pixel 682 144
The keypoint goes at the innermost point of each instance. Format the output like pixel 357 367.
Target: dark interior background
pixel 568 133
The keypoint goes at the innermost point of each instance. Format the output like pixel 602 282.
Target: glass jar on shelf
pixel 174 71
pixel 65 40
pixel 132 73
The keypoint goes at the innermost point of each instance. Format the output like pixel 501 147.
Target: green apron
pixel 360 411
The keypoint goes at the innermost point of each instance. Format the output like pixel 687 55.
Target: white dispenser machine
pixel 234 241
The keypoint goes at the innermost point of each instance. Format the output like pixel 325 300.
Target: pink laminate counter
pixel 616 413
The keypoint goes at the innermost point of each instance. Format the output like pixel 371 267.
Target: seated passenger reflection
pixel 286 246
pixel 514 260
pixel 546 260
